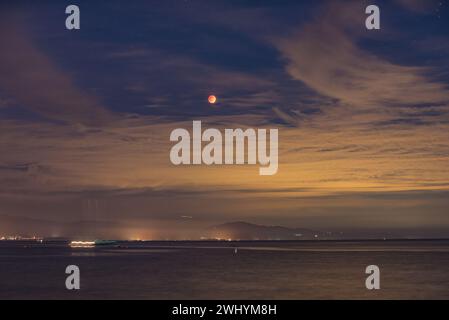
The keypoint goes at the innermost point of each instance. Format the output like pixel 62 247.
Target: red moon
pixel 212 99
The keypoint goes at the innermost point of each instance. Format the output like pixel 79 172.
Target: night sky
pixel 86 116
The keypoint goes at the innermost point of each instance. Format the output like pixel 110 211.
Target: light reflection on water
pixel 262 270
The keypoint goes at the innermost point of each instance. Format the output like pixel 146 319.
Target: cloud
pixel 33 81
pixel 155 71
pixel 324 55
pixel 352 124
pixel 420 6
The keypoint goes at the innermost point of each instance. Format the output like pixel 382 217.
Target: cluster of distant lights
pixel 20 238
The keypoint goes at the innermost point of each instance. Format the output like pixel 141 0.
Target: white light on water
pixel 82 244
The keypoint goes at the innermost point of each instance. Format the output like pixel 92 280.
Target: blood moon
pixel 212 99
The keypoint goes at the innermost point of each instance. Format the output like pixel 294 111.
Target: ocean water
pixel 214 270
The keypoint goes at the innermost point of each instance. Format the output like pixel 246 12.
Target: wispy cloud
pixel 325 56
pixel 421 6
pixel 30 78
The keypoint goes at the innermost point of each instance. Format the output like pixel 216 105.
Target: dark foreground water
pixel 213 270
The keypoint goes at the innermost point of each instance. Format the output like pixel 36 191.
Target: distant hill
pixel 248 231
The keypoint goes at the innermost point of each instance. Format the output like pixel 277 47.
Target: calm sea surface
pixel 214 270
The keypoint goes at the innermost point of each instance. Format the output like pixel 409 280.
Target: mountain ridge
pixel 241 230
